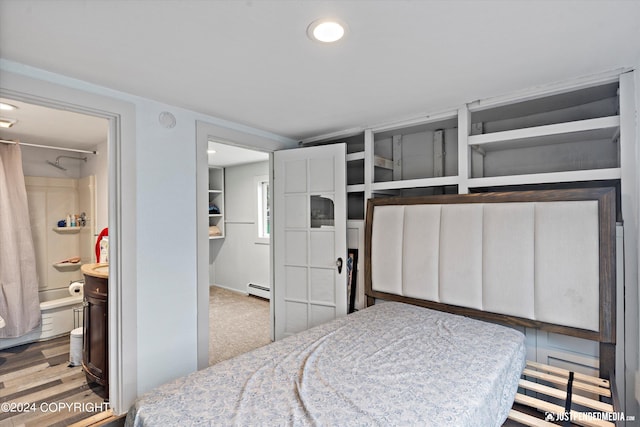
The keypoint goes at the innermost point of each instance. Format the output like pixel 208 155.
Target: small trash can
pixel 75 347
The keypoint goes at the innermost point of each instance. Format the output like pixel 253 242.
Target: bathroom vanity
pixel 95 348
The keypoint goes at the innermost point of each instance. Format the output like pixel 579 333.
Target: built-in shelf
pixel 412 183
pixel 355 156
pixel 216 197
pixel 545 178
pixel 67 230
pixel 381 162
pixel 567 136
pixel 603 128
pixel 357 188
pixel 67 265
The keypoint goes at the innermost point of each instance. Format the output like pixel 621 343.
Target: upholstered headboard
pixel 542 259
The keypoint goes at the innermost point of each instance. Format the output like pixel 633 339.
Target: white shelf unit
pixel 216 200
pixel 571 136
pixel 580 134
pixel 355 171
pixel 566 136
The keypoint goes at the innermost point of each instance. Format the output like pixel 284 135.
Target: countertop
pixel 96 270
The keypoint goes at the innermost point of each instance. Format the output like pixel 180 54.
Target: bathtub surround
pixel 51 199
pixel 19 303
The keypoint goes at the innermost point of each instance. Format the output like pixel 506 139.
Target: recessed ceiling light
pixel 326 30
pixel 7 107
pixel 7 123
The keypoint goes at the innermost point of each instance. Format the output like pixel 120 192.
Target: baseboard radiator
pixel 259 290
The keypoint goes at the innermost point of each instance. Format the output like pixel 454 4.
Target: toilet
pixel 75 347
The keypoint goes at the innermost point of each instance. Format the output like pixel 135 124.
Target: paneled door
pixel 309 247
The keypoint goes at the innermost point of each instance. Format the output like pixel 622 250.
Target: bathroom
pixel 64 161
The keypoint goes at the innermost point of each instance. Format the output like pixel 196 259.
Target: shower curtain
pixel 19 302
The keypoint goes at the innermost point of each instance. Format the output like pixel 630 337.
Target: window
pixel 263 209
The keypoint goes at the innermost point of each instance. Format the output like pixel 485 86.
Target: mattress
pixel 390 364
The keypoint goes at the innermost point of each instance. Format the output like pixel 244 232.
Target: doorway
pixel 239 249
pixel 66 171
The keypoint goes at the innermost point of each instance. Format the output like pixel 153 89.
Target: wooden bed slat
pixel 563 381
pixel 565 373
pixel 560 394
pixel 592 410
pixel 550 407
pixel 528 420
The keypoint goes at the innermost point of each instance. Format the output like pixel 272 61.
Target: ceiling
pixel 226 155
pixel 251 62
pixel 47 126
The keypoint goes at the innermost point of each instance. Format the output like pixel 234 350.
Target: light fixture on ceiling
pixel 7 107
pixel 326 30
pixel 211 151
pixel 7 123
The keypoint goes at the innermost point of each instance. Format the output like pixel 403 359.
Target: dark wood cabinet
pixel 95 349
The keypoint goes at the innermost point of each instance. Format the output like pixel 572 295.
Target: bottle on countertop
pixel 104 250
pixel 73 221
pixel 68 220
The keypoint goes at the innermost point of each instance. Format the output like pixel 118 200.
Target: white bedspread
pixel 390 364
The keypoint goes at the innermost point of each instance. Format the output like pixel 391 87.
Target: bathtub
pixel 58 317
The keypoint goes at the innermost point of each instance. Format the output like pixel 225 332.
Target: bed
pixel 440 273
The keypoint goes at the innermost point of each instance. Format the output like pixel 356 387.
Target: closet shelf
pixel 604 128
pixel 356 188
pixel 215 191
pixel 413 183
pixel 67 230
pixel 215 215
pixel 544 178
pixel 355 156
pixel 215 237
pixel 381 162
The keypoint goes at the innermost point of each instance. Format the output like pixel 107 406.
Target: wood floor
pixel 38 388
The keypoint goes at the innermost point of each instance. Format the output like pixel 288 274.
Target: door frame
pixel 239 138
pixel 121 149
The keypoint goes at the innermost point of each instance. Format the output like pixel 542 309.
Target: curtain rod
pixel 75 150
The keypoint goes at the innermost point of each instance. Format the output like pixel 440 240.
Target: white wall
pixel 241 260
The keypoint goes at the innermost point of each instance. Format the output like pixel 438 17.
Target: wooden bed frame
pixel 605 334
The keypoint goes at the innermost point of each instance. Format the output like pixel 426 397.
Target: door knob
pixel 339 264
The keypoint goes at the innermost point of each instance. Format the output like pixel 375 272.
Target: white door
pixel 310 219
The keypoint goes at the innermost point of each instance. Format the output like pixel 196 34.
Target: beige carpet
pixel 237 323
